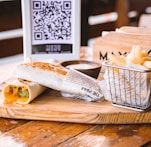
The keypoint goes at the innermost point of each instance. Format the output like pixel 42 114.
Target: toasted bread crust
pixel 48 66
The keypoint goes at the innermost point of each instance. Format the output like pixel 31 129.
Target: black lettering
pixel 103 57
pixel 86 90
pixel 95 93
pixel 53 48
pixel 149 51
pixel 122 53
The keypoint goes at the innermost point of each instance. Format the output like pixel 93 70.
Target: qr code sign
pixel 51 21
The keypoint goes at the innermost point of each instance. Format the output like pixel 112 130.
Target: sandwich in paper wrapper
pixel 45 75
pixel 21 91
pixel 119 86
pixel 127 86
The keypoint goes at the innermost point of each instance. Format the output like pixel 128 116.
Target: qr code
pixel 51 20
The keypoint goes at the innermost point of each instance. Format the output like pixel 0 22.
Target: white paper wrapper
pixel 127 87
pixel 82 86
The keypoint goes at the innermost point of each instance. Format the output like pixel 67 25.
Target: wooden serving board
pixel 51 106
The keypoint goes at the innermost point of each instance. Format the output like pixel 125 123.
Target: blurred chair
pixel 94 8
pixel 145 20
pixel 117 13
pixel 11 42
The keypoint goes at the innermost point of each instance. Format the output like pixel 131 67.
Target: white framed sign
pixel 51 29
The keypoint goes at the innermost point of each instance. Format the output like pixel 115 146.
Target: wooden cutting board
pixel 51 106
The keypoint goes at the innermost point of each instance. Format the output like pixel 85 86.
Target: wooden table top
pixel 60 134
pixel 39 133
pixel 36 133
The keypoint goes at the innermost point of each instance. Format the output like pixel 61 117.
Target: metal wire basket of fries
pixel 128 87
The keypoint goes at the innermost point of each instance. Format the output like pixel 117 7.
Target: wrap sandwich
pixel 21 91
pixel 60 78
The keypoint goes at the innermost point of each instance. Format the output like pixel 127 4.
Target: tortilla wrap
pixel 61 79
pixel 21 91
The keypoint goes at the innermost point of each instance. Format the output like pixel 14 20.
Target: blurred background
pixel 96 16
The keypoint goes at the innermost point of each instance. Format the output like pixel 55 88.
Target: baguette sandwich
pixel 21 91
pixel 59 78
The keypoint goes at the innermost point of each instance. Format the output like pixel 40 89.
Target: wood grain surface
pixel 60 134
pixel 46 122
pixel 51 106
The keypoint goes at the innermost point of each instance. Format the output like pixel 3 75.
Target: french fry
pixel 147 64
pixel 147 59
pixel 144 53
pixel 137 51
pixel 117 60
pixel 131 59
pixel 137 56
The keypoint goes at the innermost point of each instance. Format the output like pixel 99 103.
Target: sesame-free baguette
pixel 21 91
pixel 61 79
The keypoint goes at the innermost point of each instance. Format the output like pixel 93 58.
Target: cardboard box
pixel 119 43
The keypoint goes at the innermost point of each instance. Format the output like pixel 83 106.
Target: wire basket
pixel 128 87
